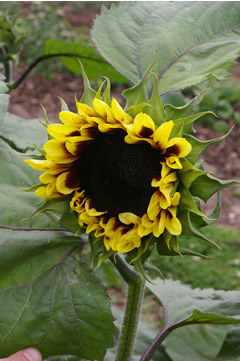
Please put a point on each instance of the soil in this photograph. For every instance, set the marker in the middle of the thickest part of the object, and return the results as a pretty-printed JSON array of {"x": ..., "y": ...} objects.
[{"x": 222, "y": 159}]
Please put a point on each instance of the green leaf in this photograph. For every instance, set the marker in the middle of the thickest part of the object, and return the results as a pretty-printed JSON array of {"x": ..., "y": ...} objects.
[
  {"x": 89, "y": 94},
  {"x": 191, "y": 47},
  {"x": 189, "y": 228},
  {"x": 4, "y": 99},
  {"x": 184, "y": 305},
  {"x": 156, "y": 111},
  {"x": 3, "y": 85},
  {"x": 173, "y": 113},
  {"x": 64, "y": 308},
  {"x": 206, "y": 185},
  {"x": 185, "y": 124},
  {"x": 231, "y": 346},
  {"x": 92, "y": 62},
  {"x": 196, "y": 342},
  {"x": 138, "y": 93},
  {"x": 199, "y": 146},
  {"x": 21, "y": 133}
]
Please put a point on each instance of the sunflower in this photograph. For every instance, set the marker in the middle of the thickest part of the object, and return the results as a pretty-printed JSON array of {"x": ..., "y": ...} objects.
[{"x": 121, "y": 172}]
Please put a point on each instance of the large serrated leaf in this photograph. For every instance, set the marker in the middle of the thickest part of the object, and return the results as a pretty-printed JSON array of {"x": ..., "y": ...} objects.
[
  {"x": 196, "y": 342},
  {"x": 63, "y": 310},
  {"x": 184, "y": 305},
  {"x": 231, "y": 346},
  {"x": 21, "y": 133},
  {"x": 93, "y": 63},
  {"x": 191, "y": 47}
]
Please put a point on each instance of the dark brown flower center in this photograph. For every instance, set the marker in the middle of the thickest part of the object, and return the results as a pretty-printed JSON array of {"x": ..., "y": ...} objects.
[{"x": 117, "y": 176}]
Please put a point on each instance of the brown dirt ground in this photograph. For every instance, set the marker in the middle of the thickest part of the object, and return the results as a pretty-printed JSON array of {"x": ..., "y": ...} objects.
[{"x": 222, "y": 158}]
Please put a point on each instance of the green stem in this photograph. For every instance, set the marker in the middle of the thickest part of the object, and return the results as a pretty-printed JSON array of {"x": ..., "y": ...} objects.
[{"x": 136, "y": 286}]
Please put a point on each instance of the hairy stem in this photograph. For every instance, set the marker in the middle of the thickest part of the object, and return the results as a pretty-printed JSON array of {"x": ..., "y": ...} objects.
[{"x": 136, "y": 286}]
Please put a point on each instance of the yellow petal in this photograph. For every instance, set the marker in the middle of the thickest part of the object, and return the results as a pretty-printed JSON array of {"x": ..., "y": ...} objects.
[
  {"x": 119, "y": 113},
  {"x": 159, "y": 224},
  {"x": 173, "y": 225},
  {"x": 56, "y": 148},
  {"x": 109, "y": 128},
  {"x": 176, "y": 199},
  {"x": 70, "y": 118},
  {"x": 132, "y": 139},
  {"x": 91, "y": 211},
  {"x": 162, "y": 135},
  {"x": 60, "y": 131},
  {"x": 179, "y": 146},
  {"x": 129, "y": 241},
  {"x": 143, "y": 125},
  {"x": 67, "y": 182},
  {"x": 154, "y": 206},
  {"x": 173, "y": 162},
  {"x": 42, "y": 192},
  {"x": 38, "y": 164},
  {"x": 165, "y": 202},
  {"x": 75, "y": 145},
  {"x": 47, "y": 178},
  {"x": 128, "y": 218},
  {"x": 103, "y": 110},
  {"x": 85, "y": 111}
]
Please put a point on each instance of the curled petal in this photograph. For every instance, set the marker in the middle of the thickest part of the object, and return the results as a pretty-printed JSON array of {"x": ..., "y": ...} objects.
[
  {"x": 173, "y": 162},
  {"x": 162, "y": 135},
  {"x": 179, "y": 146},
  {"x": 143, "y": 125}
]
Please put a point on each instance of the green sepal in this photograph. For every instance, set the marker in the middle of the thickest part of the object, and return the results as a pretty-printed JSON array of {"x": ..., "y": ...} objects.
[
  {"x": 100, "y": 91},
  {"x": 136, "y": 253},
  {"x": 139, "y": 267},
  {"x": 190, "y": 230},
  {"x": 136, "y": 109},
  {"x": 107, "y": 92},
  {"x": 173, "y": 113},
  {"x": 200, "y": 222},
  {"x": 98, "y": 251},
  {"x": 171, "y": 242},
  {"x": 45, "y": 116},
  {"x": 199, "y": 146},
  {"x": 163, "y": 250},
  {"x": 31, "y": 189},
  {"x": 64, "y": 106},
  {"x": 206, "y": 185},
  {"x": 89, "y": 94},
  {"x": 156, "y": 111},
  {"x": 41, "y": 151},
  {"x": 138, "y": 93},
  {"x": 189, "y": 173},
  {"x": 70, "y": 221},
  {"x": 187, "y": 202},
  {"x": 185, "y": 124}
]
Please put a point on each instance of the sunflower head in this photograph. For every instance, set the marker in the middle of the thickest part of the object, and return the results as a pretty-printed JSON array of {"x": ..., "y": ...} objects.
[{"x": 131, "y": 176}]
